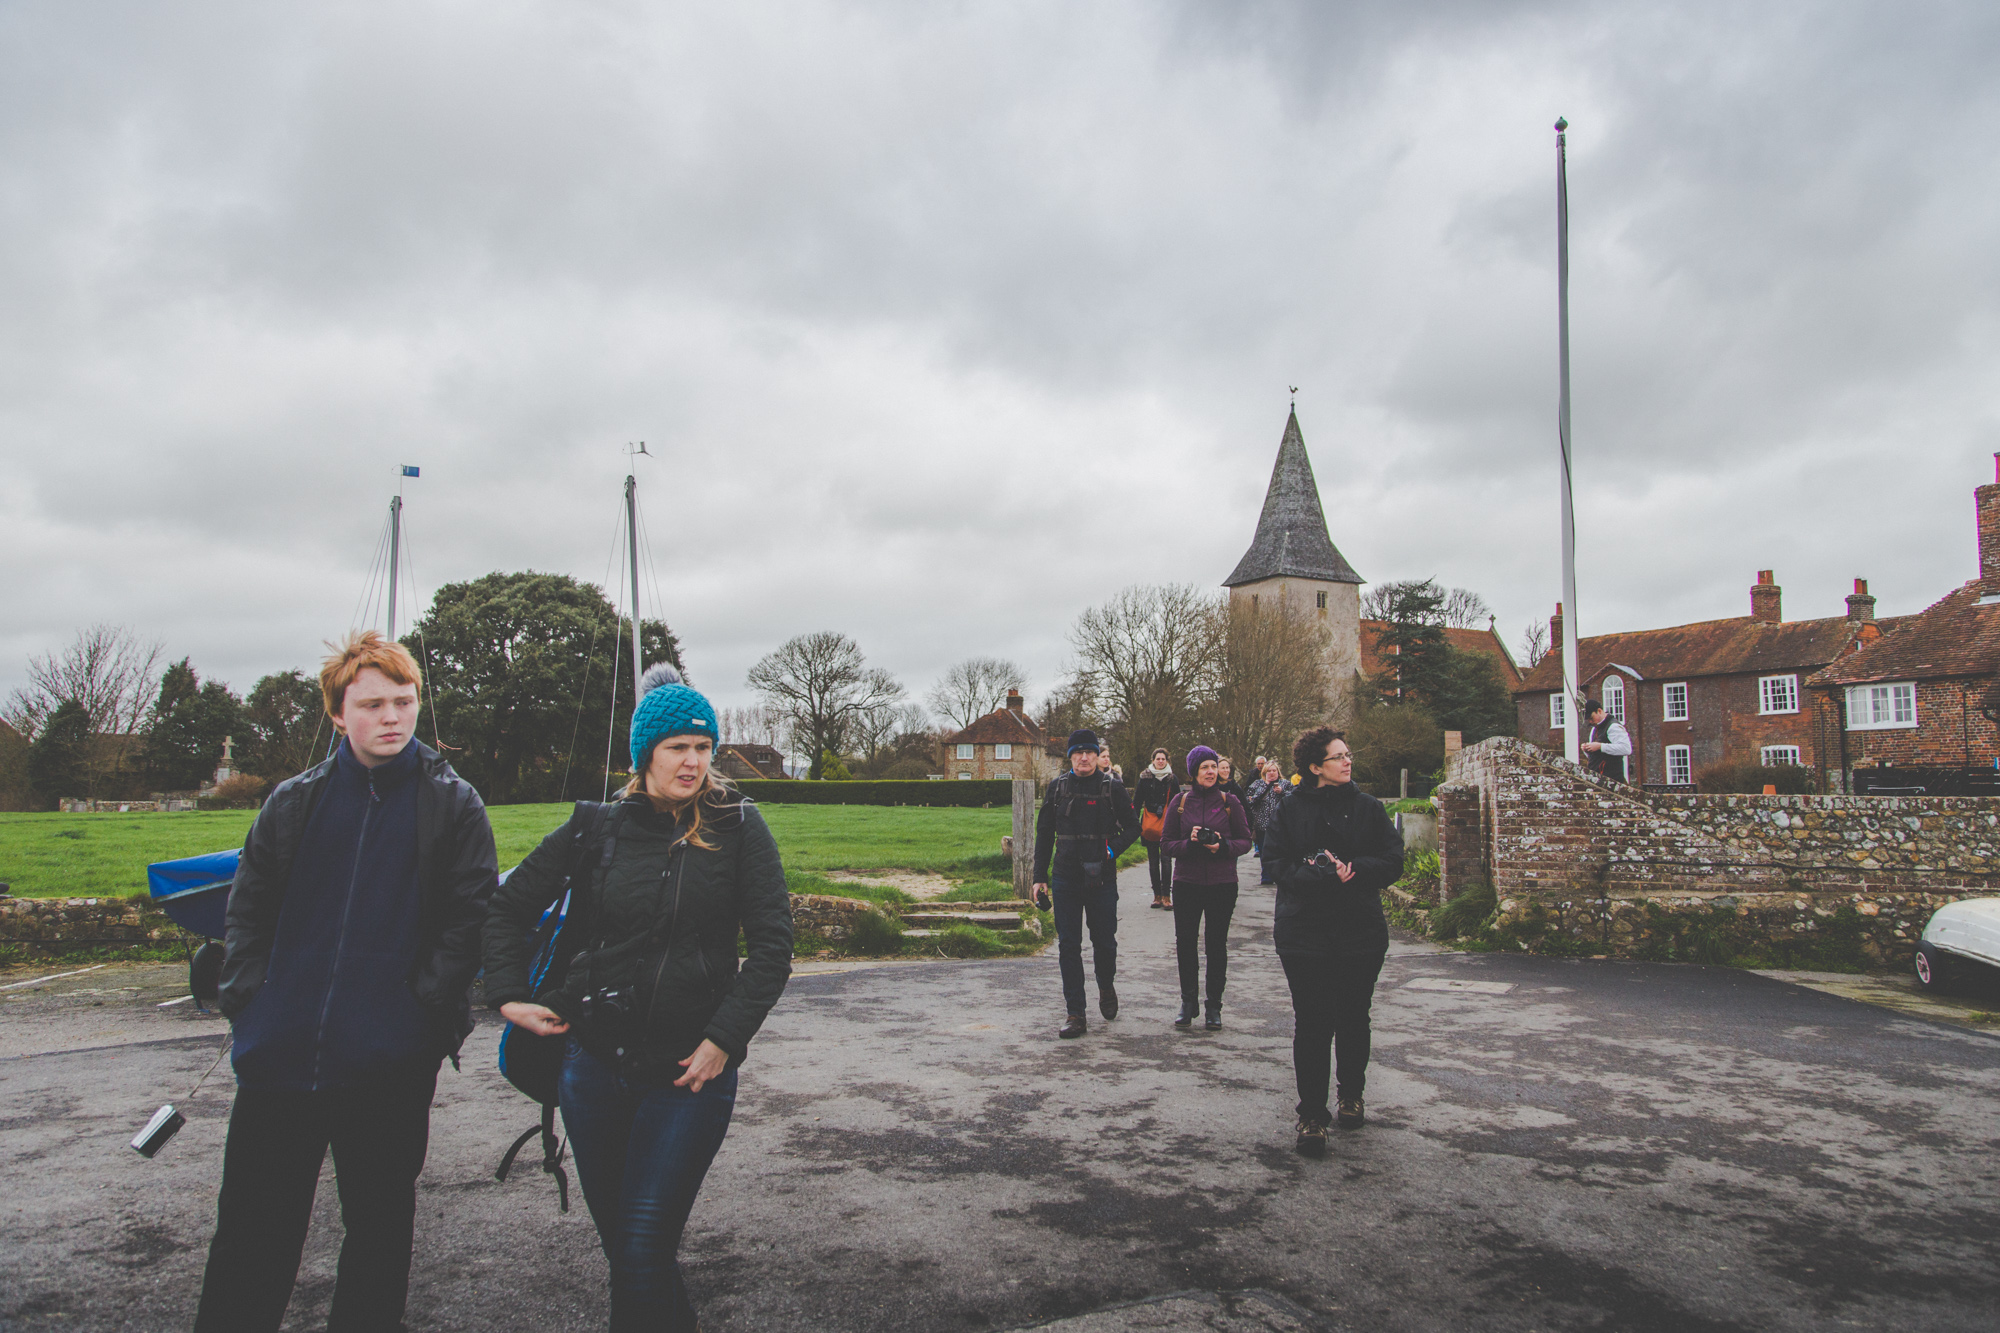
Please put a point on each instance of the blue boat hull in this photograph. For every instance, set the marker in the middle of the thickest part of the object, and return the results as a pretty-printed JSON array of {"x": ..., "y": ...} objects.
[{"x": 194, "y": 891}]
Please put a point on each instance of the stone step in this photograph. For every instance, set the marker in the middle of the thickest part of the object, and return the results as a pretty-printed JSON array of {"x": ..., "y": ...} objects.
[{"x": 990, "y": 919}]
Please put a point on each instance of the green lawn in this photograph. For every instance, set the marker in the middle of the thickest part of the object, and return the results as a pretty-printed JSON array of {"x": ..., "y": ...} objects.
[{"x": 96, "y": 856}]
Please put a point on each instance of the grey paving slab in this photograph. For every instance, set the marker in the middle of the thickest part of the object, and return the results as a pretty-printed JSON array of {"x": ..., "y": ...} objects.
[{"x": 1599, "y": 1145}]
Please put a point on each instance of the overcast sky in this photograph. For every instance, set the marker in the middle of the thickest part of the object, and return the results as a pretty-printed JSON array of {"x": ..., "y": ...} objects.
[{"x": 903, "y": 296}]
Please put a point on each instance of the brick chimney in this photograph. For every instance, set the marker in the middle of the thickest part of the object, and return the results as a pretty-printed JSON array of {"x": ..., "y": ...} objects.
[
  {"x": 1860, "y": 606},
  {"x": 1764, "y": 597},
  {"x": 1015, "y": 703},
  {"x": 1556, "y": 631},
  {"x": 1987, "y": 498}
]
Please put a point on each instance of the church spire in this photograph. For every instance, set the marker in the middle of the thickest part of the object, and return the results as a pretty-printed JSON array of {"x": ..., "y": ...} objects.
[{"x": 1291, "y": 539}]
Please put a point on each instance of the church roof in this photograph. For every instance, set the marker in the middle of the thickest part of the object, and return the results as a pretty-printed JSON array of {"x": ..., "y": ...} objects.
[{"x": 1291, "y": 539}]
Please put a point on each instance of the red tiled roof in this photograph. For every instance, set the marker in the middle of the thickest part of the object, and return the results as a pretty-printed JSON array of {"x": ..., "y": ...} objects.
[
  {"x": 1730, "y": 647},
  {"x": 1955, "y": 636},
  {"x": 1003, "y": 726},
  {"x": 1485, "y": 641}
]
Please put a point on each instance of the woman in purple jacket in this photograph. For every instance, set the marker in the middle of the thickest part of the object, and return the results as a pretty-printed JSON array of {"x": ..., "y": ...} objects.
[{"x": 1206, "y": 831}]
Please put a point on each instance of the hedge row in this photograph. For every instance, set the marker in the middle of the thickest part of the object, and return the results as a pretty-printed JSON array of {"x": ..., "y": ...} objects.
[{"x": 782, "y": 791}]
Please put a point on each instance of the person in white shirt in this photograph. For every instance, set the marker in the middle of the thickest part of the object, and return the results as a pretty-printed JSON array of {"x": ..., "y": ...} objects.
[{"x": 1609, "y": 744}]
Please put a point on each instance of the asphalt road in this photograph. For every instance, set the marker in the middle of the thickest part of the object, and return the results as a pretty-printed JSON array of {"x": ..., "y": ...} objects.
[{"x": 1560, "y": 1145}]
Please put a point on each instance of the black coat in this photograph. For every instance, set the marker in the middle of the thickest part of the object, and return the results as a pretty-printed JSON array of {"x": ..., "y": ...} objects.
[
  {"x": 456, "y": 870},
  {"x": 680, "y": 972},
  {"x": 1315, "y": 912},
  {"x": 1078, "y": 810},
  {"x": 1153, "y": 793}
]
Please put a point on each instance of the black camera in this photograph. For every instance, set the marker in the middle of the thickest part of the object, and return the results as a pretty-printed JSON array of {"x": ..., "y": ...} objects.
[
  {"x": 606, "y": 1008},
  {"x": 1208, "y": 837}
]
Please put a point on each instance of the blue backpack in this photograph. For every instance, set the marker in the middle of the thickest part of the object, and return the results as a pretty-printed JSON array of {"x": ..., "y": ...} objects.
[{"x": 531, "y": 1062}]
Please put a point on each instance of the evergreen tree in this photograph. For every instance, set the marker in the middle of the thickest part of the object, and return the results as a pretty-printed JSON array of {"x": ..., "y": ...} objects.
[
  {"x": 190, "y": 722},
  {"x": 289, "y": 731},
  {"x": 57, "y": 761}
]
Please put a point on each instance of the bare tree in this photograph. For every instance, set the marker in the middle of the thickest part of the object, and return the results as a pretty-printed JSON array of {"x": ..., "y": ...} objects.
[
  {"x": 1146, "y": 660},
  {"x": 1534, "y": 644},
  {"x": 876, "y": 729},
  {"x": 1466, "y": 609},
  {"x": 108, "y": 670},
  {"x": 1458, "y": 608},
  {"x": 1274, "y": 682},
  {"x": 973, "y": 688},
  {"x": 821, "y": 685}
]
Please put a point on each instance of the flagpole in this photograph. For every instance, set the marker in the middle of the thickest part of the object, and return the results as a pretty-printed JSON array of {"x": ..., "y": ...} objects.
[
  {"x": 1570, "y": 700},
  {"x": 395, "y": 553}
]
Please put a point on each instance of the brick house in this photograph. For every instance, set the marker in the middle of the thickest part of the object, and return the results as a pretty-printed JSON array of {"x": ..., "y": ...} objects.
[
  {"x": 1717, "y": 691},
  {"x": 1926, "y": 695},
  {"x": 1005, "y": 743},
  {"x": 1485, "y": 642},
  {"x": 742, "y": 759}
]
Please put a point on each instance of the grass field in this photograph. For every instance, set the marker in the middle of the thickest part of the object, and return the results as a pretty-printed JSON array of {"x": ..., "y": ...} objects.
[{"x": 101, "y": 856}]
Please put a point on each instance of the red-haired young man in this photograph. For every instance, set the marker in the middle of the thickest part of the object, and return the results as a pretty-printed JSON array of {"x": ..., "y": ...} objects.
[{"x": 353, "y": 933}]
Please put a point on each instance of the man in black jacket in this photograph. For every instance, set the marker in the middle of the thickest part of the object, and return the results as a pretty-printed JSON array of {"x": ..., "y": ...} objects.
[
  {"x": 1086, "y": 823},
  {"x": 1335, "y": 850},
  {"x": 353, "y": 935}
]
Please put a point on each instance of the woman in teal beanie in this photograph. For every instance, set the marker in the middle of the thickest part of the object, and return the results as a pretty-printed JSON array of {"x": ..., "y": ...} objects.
[{"x": 657, "y": 1012}]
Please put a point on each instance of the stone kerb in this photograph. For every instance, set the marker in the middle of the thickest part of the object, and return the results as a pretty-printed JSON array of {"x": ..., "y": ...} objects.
[{"x": 1552, "y": 837}]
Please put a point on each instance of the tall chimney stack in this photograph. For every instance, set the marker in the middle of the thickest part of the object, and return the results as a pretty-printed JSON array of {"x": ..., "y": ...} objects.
[
  {"x": 1764, "y": 597},
  {"x": 1556, "y": 631},
  {"x": 1860, "y": 606},
  {"x": 1987, "y": 499},
  {"x": 1015, "y": 703}
]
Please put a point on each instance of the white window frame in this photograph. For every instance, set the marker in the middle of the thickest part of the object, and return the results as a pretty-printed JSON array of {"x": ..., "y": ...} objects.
[
  {"x": 1605, "y": 687},
  {"x": 1790, "y": 686},
  {"x": 1003, "y": 752},
  {"x": 1557, "y": 705},
  {"x": 1667, "y": 713},
  {"x": 965, "y": 752},
  {"x": 965, "y": 777},
  {"x": 1883, "y": 706},
  {"x": 1779, "y": 756},
  {"x": 1684, "y": 754}
]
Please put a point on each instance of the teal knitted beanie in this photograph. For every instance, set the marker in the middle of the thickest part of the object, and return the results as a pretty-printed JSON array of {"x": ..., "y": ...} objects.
[{"x": 668, "y": 707}]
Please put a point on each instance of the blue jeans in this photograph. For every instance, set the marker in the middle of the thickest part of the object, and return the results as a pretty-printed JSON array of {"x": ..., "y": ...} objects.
[
  {"x": 1075, "y": 905},
  {"x": 641, "y": 1154}
]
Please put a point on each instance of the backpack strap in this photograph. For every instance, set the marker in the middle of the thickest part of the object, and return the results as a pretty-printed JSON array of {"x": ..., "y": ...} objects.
[{"x": 552, "y": 1153}]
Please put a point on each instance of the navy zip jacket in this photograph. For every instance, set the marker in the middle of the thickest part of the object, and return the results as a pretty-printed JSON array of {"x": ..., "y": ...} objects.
[{"x": 335, "y": 1009}]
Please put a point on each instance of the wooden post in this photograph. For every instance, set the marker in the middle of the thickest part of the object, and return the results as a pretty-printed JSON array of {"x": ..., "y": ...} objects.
[
  {"x": 1404, "y": 791},
  {"x": 1024, "y": 839}
]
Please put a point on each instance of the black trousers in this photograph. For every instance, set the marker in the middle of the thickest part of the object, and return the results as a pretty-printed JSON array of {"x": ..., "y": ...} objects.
[
  {"x": 270, "y": 1171},
  {"x": 1161, "y": 869},
  {"x": 1192, "y": 903},
  {"x": 1331, "y": 994}
]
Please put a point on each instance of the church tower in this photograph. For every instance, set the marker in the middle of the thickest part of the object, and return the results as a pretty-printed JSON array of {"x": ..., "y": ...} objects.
[{"x": 1293, "y": 563}]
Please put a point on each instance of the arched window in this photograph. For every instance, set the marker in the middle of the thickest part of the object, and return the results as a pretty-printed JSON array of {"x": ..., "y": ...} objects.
[{"x": 1614, "y": 699}]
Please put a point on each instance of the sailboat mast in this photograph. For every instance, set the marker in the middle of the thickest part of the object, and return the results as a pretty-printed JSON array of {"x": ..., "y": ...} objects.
[
  {"x": 395, "y": 556},
  {"x": 632, "y": 547}
]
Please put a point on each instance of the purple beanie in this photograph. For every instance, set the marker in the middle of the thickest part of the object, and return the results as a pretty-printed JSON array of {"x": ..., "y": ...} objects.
[{"x": 1197, "y": 756}]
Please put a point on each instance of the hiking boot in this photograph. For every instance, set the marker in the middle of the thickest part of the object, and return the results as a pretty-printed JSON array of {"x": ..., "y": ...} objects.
[
  {"x": 1350, "y": 1113},
  {"x": 1312, "y": 1138},
  {"x": 1214, "y": 1020},
  {"x": 1107, "y": 999},
  {"x": 1187, "y": 1014},
  {"x": 1073, "y": 1026}
]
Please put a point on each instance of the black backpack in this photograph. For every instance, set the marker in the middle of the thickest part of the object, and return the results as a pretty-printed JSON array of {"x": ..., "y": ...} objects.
[{"x": 531, "y": 1062}]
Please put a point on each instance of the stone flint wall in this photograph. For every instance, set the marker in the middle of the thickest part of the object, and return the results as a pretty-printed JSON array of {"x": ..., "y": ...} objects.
[
  {"x": 1557, "y": 841},
  {"x": 54, "y": 923},
  {"x": 829, "y": 917}
]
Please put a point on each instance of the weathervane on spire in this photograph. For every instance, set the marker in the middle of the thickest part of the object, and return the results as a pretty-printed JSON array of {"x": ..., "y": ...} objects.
[{"x": 1295, "y": 394}]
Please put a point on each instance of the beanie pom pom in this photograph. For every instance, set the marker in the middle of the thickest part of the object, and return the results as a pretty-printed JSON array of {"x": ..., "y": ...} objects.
[{"x": 658, "y": 674}]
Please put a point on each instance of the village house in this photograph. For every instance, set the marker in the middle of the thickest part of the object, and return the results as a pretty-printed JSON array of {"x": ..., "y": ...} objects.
[
  {"x": 1006, "y": 743},
  {"x": 1714, "y": 692},
  {"x": 738, "y": 760},
  {"x": 1925, "y": 696}
]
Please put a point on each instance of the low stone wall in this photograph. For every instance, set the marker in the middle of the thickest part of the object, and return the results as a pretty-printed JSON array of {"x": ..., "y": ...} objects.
[
  {"x": 826, "y": 916},
  {"x": 1589, "y": 860},
  {"x": 36, "y": 926}
]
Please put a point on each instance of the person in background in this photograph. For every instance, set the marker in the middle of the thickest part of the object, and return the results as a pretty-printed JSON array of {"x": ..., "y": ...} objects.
[
  {"x": 1085, "y": 824},
  {"x": 1206, "y": 832},
  {"x": 1335, "y": 850},
  {"x": 659, "y": 1014},
  {"x": 1267, "y": 793},
  {"x": 1225, "y": 778},
  {"x": 1605, "y": 751},
  {"x": 353, "y": 935},
  {"x": 1157, "y": 786},
  {"x": 1105, "y": 766}
]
